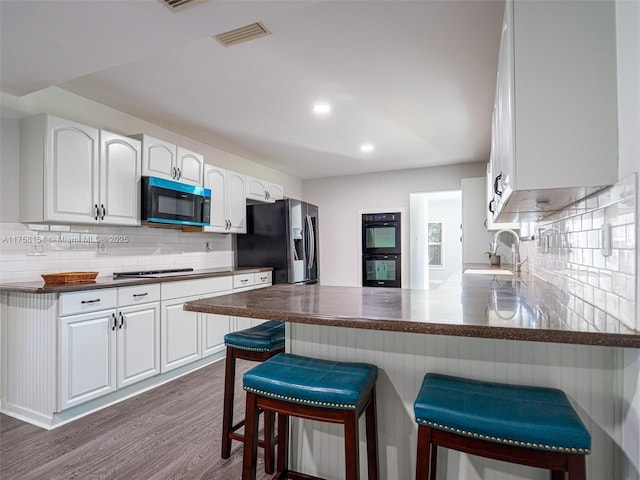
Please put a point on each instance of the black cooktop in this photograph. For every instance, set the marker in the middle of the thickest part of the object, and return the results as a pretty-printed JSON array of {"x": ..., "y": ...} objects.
[{"x": 153, "y": 273}]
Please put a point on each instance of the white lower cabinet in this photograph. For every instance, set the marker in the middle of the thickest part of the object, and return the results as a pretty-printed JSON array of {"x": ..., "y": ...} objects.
[
  {"x": 189, "y": 336},
  {"x": 138, "y": 346},
  {"x": 105, "y": 350},
  {"x": 87, "y": 357},
  {"x": 180, "y": 334},
  {"x": 242, "y": 283},
  {"x": 60, "y": 351},
  {"x": 214, "y": 328}
]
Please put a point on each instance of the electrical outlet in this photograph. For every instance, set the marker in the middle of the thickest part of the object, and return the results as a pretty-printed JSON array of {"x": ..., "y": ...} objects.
[
  {"x": 208, "y": 246},
  {"x": 36, "y": 249},
  {"x": 102, "y": 247},
  {"x": 605, "y": 240}
]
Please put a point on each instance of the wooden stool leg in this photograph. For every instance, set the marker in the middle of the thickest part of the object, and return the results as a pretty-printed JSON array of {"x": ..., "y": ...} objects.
[
  {"x": 423, "y": 453},
  {"x": 557, "y": 475},
  {"x": 283, "y": 442},
  {"x": 434, "y": 460},
  {"x": 372, "y": 438},
  {"x": 577, "y": 467},
  {"x": 227, "y": 409},
  {"x": 351, "y": 445},
  {"x": 250, "y": 454},
  {"x": 269, "y": 440}
]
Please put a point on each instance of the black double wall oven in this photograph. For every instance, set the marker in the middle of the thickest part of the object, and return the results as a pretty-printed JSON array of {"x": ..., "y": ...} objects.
[{"x": 381, "y": 250}]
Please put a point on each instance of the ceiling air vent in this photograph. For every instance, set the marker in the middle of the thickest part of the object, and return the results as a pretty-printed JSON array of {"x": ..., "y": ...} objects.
[
  {"x": 175, "y": 5},
  {"x": 242, "y": 34}
]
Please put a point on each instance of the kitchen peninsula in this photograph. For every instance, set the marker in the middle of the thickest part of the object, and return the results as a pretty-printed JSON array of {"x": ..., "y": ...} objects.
[{"x": 512, "y": 326}]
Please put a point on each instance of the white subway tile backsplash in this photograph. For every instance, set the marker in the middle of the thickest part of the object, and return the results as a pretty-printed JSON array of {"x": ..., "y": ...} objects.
[
  {"x": 601, "y": 289},
  {"x": 128, "y": 248}
]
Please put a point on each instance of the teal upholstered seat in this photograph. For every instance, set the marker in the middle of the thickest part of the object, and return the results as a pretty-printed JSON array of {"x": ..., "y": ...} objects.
[
  {"x": 311, "y": 381},
  {"x": 530, "y": 417},
  {"x": 265, "y": 337}
]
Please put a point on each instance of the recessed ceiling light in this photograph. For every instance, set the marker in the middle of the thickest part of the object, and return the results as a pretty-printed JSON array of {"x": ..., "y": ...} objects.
[
  {"x": 321, "y": 108},
  {"x": 366, "y": 148}
]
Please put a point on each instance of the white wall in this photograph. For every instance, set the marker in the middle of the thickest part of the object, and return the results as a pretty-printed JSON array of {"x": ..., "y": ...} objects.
[{"x": 340, "y": 199}]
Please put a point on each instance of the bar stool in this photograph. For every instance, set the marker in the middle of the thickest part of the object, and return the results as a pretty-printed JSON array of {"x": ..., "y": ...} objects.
[
  {"x": 526, "y": 425},
  {"x": 256, "y": 344},
  {"x": 321, "y": 390}
]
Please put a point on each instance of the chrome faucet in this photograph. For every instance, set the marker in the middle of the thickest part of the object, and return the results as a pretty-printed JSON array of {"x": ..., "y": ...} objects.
[{"x": 516, "y": 259}]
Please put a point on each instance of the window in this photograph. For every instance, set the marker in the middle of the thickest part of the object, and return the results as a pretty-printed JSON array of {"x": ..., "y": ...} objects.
[{"x": 434, "y": 239}]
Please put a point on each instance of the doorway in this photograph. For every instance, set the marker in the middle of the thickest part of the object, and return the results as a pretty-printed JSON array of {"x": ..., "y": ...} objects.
[{"x": 435, "y": 248}]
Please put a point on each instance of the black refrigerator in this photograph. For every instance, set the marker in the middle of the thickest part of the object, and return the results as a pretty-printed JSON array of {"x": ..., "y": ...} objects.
[{"x": 282, "y": 235}]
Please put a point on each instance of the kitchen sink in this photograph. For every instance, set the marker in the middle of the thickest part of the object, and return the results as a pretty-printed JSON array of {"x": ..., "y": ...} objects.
[{"x": 487, "y": 271}]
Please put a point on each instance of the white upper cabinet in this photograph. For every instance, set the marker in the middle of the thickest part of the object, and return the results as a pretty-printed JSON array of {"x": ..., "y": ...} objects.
[
  {"x": 263, "y": 191},
  {"x": 74, "y": 173},
  {"x": 190, "y": 166},
  {"x": 119, "y": 179},
  {"x": 490, "y": 206},
  {"x": 228, "y": 200},
  {"x": 166, "y": 160},
  {"x": 555, "y": 118}
]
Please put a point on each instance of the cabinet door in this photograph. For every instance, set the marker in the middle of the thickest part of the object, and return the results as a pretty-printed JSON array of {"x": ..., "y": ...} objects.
[
  {"x": 236, "y": 202},
  {"x": 505, "y": 106},
  {"x": 138, "y": 343},
  {"x": 72, "y": 176},
  {"x": 87, "y": 357},
  {"x": 214, "y": 328},
  {"x": 190, "y": 167},
  {"x": 257, "y": 189},
  {"x": 241, "y": 323},
  {"x": 158, "y": 158},
  {"x": 119, "y": 180},
  {"x": 180, "y": 342},
  {"x": 215, "y": 179},
  {"x": 276, "y": 192}
]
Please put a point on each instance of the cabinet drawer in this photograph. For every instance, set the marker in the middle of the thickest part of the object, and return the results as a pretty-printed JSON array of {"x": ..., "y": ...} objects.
[
  {"x": 262, "y": 278},
  {"x": 138, "y": 294},
  {"x": 243, "y": 280},
  {"x": 201, "y": 286},
  {"x": 87, "y": 301}
]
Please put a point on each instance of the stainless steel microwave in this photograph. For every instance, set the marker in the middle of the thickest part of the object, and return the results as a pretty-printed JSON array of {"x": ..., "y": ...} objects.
[{"x": 166, "y": 201}]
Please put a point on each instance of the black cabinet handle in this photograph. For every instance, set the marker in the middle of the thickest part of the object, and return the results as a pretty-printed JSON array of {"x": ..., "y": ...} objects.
[
  {"x": 121, "y": 320},
  {"x": 179, "y": 173},
  {"x": 491, "y": 207},
  {"x": 173, "y": 173},
  {"x": 90, "y": 301},
  {"x": 495, "y": 185},
  {"x": 104, "y": 211},
  {"x": 115, "y": 322},
  {"x": 95, "y": 209},
  {"x": 141, "y": 294}
]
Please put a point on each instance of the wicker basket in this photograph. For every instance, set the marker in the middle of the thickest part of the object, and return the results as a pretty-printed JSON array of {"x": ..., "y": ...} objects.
[{"x": 69, "y": 277}]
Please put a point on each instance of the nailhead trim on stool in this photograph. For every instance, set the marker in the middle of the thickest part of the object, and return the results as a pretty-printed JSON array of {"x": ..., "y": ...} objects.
[
  {"x": 256, "y": 344},
  {"x": 533, "y": 426},
  {"x": 313, "y": 389}
]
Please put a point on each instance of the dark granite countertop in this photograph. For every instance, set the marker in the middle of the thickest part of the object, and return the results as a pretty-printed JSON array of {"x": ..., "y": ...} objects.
[
  {"x": 110, "y": 282},
  {"x": 520, "y": 307}
]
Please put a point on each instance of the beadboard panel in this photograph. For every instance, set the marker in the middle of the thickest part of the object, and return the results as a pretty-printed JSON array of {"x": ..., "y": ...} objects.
[
  {"x": 592, "y": 377},
  {"x": 31, "y": 377}
]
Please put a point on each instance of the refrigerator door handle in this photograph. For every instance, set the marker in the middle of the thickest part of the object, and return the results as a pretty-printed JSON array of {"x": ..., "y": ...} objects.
[{"x": 311, "y": 243}]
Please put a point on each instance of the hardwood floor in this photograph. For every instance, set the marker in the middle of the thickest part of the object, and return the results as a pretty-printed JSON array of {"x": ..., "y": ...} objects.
[{"x": 170, "y": 432}]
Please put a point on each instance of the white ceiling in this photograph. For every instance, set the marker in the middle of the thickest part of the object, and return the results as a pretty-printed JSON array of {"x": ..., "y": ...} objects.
[{"x": 414, "y": 78}]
